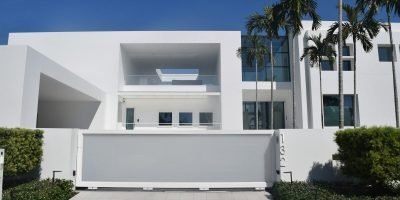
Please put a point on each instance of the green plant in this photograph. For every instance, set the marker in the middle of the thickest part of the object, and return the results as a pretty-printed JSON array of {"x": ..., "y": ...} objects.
[
  {"x": 308, "y": 191},
  {"x": 298, "y": 190},
  {"x": 320, "y": 49},
  {"x": 23, "y": 150},
  {"x": 254, "y": 51},
  {"x": 370, "y": 154},
  {"x": 359, "y": 27},
  {"x": 41, "y": 190},
  {"x": 291, "y": 12}
]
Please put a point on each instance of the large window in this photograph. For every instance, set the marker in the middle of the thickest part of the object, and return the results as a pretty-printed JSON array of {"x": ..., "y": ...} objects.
[
  {"x": 185, "y": 119},
  {"x": 249, "y": 115},
  {"x": 165, "y": 119},
  {"x": 331, "y": 110},
  {"x": 346, "y": 50},
  {"x": 385, "y": 53},
  {"x": 206, "y": 118},
  {"x": 280, "y": 48}
]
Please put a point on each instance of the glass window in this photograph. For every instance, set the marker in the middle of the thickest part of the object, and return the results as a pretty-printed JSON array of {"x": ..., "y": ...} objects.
[
  {"x": 249, "y": 115},
  {"x": 385, "y": 54},
  {"x": 280, "y": 48},
  {"x": 346, "y": 50},
  {"x": 326, "y": 65},
  {"x": 206, "y": 118},
  {"x": 165, "y": 119},
  {"x": 331, "y": 110},
  {"x": 129, "y": 118},
  {"x": 280, "y": 44},
  {"x": 347, "y": 65},
  {"x": 281, "y": 59},
  {"x": 185, "y": 119}
]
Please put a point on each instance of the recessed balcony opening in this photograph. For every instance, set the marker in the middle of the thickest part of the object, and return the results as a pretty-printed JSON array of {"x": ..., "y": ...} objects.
[{"x": 170, "y": 64}]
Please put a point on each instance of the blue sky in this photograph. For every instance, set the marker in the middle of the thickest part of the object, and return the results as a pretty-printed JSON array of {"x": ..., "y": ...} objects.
[{"x": 106, "y": 15}]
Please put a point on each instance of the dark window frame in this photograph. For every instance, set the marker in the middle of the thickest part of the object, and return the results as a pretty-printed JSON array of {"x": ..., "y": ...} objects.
[
  {"x": 181, "y": 123},
  {"x": 165, "y": 123},
  {"x": 206, "y": 123}
]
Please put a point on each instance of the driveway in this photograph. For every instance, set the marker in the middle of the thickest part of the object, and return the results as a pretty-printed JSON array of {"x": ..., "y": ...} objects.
[{"x": 172, "y": 195}]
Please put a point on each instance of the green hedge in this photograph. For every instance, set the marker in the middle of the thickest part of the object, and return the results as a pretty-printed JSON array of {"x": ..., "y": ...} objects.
[
  {"x": 41, "y": 190},
  {"x": 23, "y": 150},
  {"x": 307, "y": 191},
  {"x": 370, "y": 154}
]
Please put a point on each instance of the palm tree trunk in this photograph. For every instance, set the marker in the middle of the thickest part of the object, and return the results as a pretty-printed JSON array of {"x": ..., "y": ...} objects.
[
  {"x": 293, "y": 84},
  {"x": 396, "y": 100},
  {"x": 340, "y": 76},
  {"x": 256, "y": 95},
  {"x": 355, "y": 83},
  {"x": 271, "y": 114},
  {"x": 320, "y": 94}
]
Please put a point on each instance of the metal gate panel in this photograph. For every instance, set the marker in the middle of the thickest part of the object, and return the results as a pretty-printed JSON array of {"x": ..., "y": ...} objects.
[{"x": 207, "y": 159}]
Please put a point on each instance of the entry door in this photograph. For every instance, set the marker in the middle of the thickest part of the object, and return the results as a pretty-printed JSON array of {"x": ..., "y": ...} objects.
[{"x": 130, "y": 117}]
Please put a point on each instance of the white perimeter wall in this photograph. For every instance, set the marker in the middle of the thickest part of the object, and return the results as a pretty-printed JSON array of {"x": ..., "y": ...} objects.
[
  {"x": 307, "y": 153},
  {"x": 59, "y": 153}
]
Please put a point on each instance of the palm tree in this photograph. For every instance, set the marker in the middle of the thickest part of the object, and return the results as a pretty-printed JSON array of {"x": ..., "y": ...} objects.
[
  {"x": 340, "y": 71},
  {"x": 390, "y": 6},
  {"x": 266, "y": 24},
  {"x": 322, "y": 49},
  {"x": 291, "y": 12},
  {"x": 254, "y": 51},
  {"x": 361, "y": 28}
]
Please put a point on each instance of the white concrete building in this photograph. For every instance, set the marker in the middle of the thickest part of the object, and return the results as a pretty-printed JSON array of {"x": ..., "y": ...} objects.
[
  {"x": 186, "y": 79},
  {"x": 189, "y": 82}
]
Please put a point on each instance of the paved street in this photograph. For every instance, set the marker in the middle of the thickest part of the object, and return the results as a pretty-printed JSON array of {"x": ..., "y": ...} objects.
[{"x": 171, "y": 195}]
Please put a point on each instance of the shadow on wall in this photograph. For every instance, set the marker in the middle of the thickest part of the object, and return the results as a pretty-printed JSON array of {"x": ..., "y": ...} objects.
[
  {"x": 66, "y": 114},
  {"x": 326, "y": 172}
]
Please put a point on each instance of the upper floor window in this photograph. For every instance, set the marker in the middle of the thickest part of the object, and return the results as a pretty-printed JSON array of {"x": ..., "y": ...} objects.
[
  {"x": 281, "y": 57},
  {"x": 385, "y": 54},
  {"x": 346, "y": 50}
]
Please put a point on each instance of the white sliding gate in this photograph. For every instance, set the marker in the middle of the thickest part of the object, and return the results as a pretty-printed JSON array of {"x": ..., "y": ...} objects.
[{"x": 176, "y": 159}]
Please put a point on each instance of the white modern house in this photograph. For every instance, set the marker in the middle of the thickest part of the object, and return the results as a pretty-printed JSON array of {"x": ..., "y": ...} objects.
[{"x": 176, "y": 96}]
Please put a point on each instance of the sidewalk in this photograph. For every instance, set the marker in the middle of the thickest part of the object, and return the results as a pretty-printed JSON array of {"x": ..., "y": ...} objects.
[{"x": 171, "y": 195}]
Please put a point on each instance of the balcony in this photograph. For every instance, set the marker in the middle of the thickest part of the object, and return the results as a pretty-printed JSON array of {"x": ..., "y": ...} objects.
[
  {"x": 178, "y": 79},
  {"x": 170, "y": 68}
]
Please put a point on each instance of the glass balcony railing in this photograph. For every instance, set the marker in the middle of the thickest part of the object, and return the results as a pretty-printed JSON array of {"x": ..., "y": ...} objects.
[
  {"x": 153, "y": 126},
  {"x": 182, "y": 79},
  {"x": 281, "y": 74}
]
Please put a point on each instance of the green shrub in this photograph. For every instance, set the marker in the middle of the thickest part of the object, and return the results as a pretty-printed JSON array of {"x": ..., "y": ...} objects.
[
  {"x": 370, "y": 154},
  {"x": 300, "y": 191},
  {"x": 41, "y": 190},
  {"x": 308, "y": 191},
  {"x": 23, "y": 150}
]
